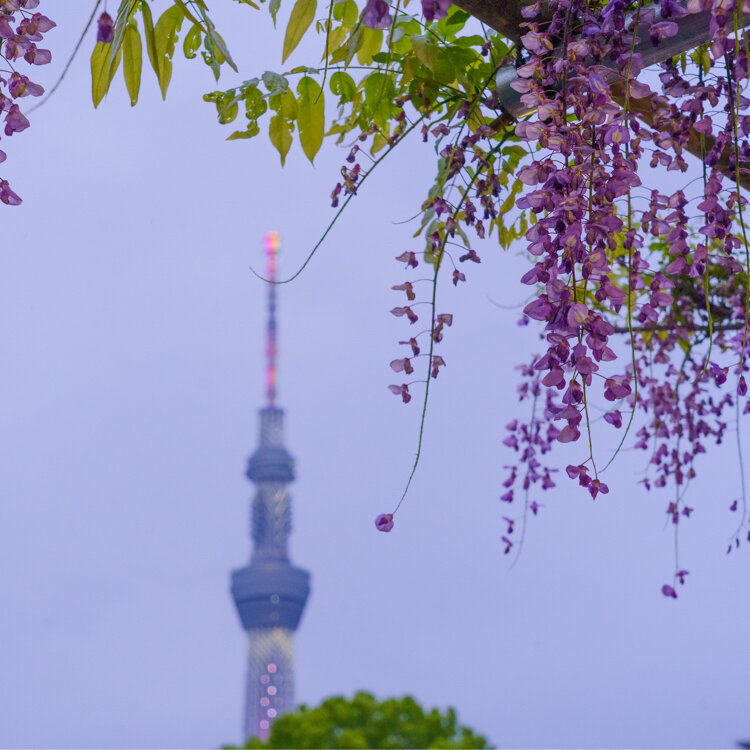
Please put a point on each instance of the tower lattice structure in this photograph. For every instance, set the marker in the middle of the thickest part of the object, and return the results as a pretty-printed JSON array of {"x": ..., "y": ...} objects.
[{"x": 270, "y": 593}]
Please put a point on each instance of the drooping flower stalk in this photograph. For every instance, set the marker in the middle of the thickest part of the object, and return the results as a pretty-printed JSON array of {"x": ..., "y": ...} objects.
[
  {"x": 20, "y": 30},
  {"x": 668, "y": 280}
]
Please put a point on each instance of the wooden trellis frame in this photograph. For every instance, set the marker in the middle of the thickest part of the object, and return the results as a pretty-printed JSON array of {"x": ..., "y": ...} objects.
[{"x": 504, "y": 16}]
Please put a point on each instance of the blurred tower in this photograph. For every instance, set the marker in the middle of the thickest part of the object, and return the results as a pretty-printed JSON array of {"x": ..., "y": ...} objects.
[{"x": 270, "y": 593}]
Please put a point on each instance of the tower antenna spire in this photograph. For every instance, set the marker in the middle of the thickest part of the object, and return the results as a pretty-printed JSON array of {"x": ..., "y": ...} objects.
[
  {"x": 270, "y": 593},
  {"x": 272, "y": 243}
]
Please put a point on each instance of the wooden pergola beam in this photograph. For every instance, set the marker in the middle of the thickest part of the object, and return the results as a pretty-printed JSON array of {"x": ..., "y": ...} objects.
[
  {"x": 694, "y": 146},
  {"x": 502, "y": 15}
]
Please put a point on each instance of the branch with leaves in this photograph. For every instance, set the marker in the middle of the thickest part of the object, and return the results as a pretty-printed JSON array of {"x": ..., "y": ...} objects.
[{"x": 609, "y": 256}]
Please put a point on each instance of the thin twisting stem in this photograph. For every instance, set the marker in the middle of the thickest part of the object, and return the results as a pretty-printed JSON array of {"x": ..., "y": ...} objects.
[
  {"x": 630, "y": 330},
  {"x": 742, "y": 471},
  {"x": 70, "y": 60},
  {"x": 339, "y": 212},
  {"x": 432, "y": 338},
  {"x": 707, "y": 274},
  {"x": 735, "y": 118},
  {"x": 524, "y": 520}
]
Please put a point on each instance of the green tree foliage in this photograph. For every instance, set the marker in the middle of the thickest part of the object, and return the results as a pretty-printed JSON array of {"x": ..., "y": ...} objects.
[{"x": 365, "y": 722}]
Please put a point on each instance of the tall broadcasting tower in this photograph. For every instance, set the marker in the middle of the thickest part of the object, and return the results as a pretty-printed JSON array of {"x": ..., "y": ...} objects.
[{"x": 270, "y": 593}]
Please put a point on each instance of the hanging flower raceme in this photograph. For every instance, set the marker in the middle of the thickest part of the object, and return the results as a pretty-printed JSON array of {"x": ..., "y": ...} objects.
[
  {"x": 638, "y": 283},
  {"x": 20, "y": 31},
  {"x": 603, "y": 264},
  {"x": 644, "y": 306}
]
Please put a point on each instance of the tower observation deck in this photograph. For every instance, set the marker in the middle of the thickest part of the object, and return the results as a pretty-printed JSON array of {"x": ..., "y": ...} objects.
[{"x": 270, "y": 593}]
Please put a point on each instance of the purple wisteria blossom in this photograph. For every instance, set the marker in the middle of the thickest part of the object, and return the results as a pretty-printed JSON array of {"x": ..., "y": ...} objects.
[
  {"x": 20, "y": 32},
  {"x": 384, "y": 522},
  {"x": 105, "y": 27},
  {"x": 434, "y": 10},
  {"x": 377, "y": 14}
]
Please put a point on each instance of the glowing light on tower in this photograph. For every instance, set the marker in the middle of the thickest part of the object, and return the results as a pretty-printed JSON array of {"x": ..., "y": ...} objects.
[{"x": 272, "y": 244}]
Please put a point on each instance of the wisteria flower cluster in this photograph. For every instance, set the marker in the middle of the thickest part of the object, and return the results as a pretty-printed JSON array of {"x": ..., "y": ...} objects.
[
  {"x": 638, "y": 291},
  {"x": 377, "y": 13},
  {"x": 642, "y": 295},
  {"x": 20, "y": 32},
  {"x": 670, "y": 271}
]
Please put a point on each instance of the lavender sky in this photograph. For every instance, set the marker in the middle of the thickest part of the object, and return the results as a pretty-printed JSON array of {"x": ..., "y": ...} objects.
[{"x": 131, "y": 331}]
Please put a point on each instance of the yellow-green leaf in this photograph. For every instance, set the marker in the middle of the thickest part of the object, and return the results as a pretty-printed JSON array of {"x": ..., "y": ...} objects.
[
  {"x": 342, "y": 84},
  {"x": 372, "y": 41},
  {"x": 302, "y": 16},
  {"x": 280, "y": 135},
  {"x": 355, "y": 40},
  {"x": 101, "y": 71},
  {"x": 192, "y": 41},
  {"x": 221, "y": 51},
  {"x": 273, "y": 9},
  {"x": 426, "y": 51},
  {"x": 132, "y": 62},
  {"x": 510, "y": 201},
  {"x": 165, "y": 38},
  {"x": 148, "y": 32},
  {"x": 310, "y": 116},
  {"x": 346, "y": 12},
  {"x": 124, "y": 15},
  {"x": 280, "y": 127},
  {"x": 252, "y": 130},
  {"x": 379, "y": 142},
  {"x": 335, "y": 38}
]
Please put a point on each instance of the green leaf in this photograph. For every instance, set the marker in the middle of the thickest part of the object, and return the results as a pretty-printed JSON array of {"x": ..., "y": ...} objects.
[
  {"x": 346, "y": 12},
  {"x": 229, "y": 113},
  {"x": 192, "y": 41},
  {"x": 379, "y": 142},
  {"x": 275, "y": 83},
  {"x": 409, "y": 71},
  {"x": 523, "y": 225},
  {"x": 280, "y": 136},
  {"x": 355, "y": 40},
  {"x": 101, "y": 70},
  {"x": 426, "y": 51},
  {"x": 334, "y": 41},
  {"x": 280, "y": 127},
  {"x": 252, "y": 130},
  {"x": 445, "y": 71},
  {"x": 372, "y": 41},
  {"x": 214, "y": 43},
  {"x": 510, "y": 201},
  {"x": 470, "y": 41},
  {"x": 255, "y": 103},
  {"x": 302, "y": 16},
  {"x": 132, "y": 61},
  {"x": 148, "y": 33},
  {"x": 342, "y": 84},
  {"x": 380, "y": 92},
  {"x": 165, "y": 37},
  {"x": 273, "y": 9},
  {"x": 285, "y": 105},
  {"x": 310, "y": 116},
  {"x": 457, "y": 18},
  {"x": 227, "y": 107},
  {"x": 249, "y": 2},
  {"x": 124, "y": 14}
]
